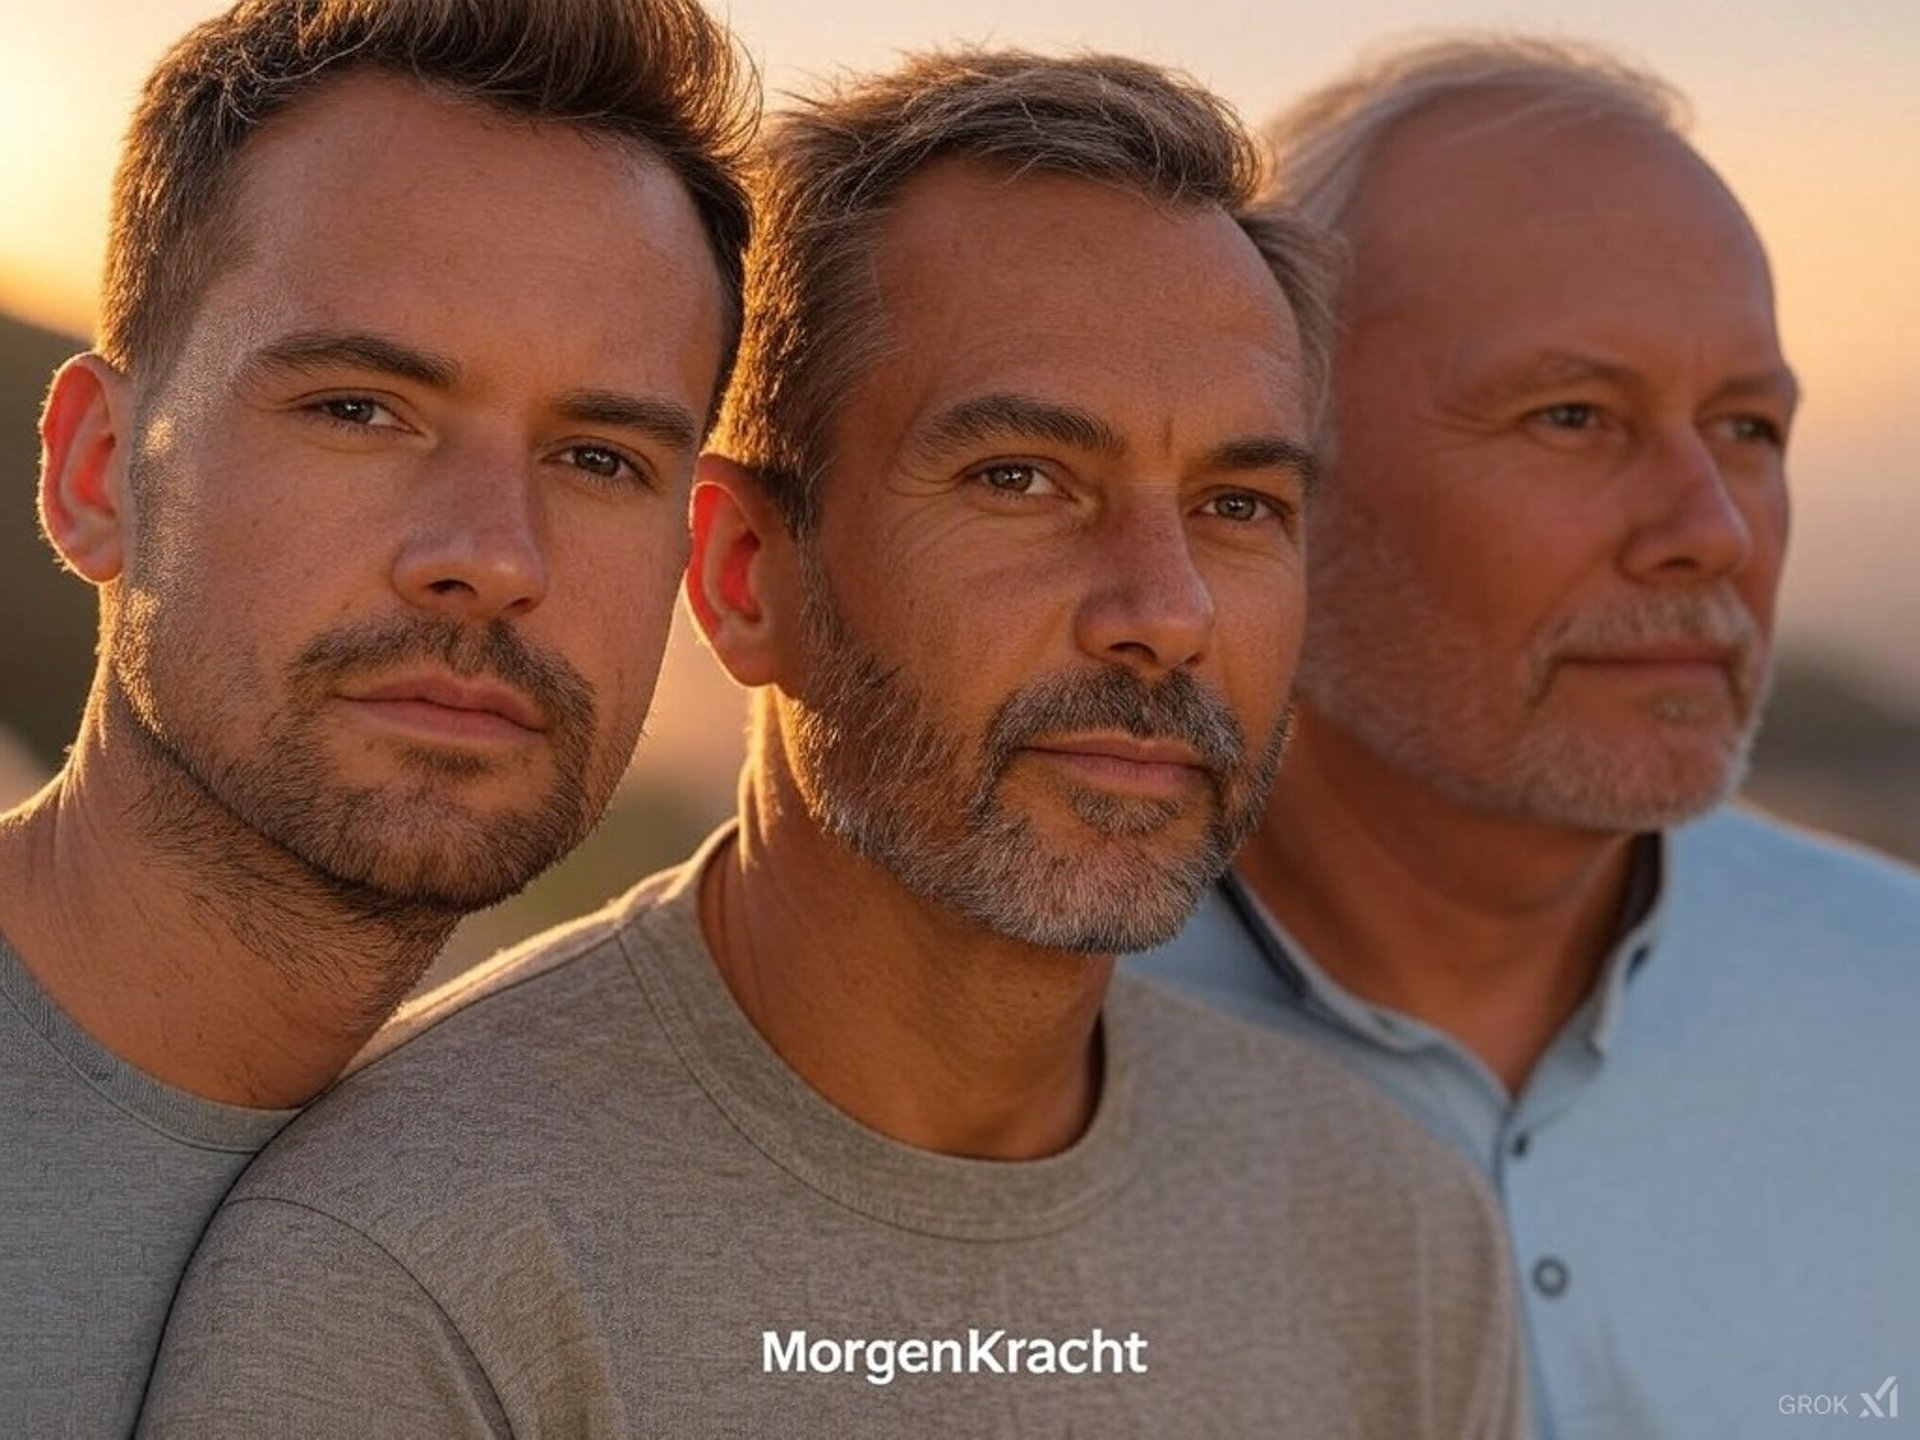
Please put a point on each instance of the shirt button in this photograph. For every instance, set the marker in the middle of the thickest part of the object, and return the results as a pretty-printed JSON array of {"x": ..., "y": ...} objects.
[
  {"x": 1519, "y": 1146},
  {"x": 1550, "y": 1276}
]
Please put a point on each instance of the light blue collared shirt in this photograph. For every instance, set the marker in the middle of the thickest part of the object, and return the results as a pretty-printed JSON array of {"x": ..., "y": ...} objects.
[{"x": 1712, "y": 1177}]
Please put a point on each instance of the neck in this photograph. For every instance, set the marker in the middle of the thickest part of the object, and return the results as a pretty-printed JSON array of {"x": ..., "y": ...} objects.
[
  {"x": 914, "y": 1021},
  {"x": 185, "y": 942},
  {"x": 1492, "y": 930}
]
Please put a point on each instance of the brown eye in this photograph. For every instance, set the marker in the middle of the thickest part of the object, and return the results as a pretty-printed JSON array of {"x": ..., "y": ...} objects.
[
  {"x": 1239, "y": 507},
  {"x": 1014, "y": 477},
  {"x": 599, "y": 460},
  {"x": 355, "y": 410}
]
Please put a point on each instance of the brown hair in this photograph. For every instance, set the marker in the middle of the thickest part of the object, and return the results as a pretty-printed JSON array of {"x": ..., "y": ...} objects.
[
  {"x": 830, "y": 170},
  {"x": 658, "y": 74}
]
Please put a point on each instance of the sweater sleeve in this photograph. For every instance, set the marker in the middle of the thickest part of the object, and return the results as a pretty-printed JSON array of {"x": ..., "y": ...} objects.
[{"x": 292, "y": 1323}]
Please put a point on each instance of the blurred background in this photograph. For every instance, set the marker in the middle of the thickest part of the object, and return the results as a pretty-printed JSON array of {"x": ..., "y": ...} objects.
[{"x": 1812, "y": 113}]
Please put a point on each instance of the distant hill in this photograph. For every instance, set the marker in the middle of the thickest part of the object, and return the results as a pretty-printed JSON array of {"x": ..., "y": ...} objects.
[
  {"x": 46, "y": 615},
  {"x": 1838, "y": 754}
]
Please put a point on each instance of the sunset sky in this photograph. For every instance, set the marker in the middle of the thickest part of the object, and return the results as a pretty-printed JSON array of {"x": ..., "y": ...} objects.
[{"x": 1812, "y": 112}]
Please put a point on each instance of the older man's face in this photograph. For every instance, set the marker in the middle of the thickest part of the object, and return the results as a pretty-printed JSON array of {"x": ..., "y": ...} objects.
[
  {"x": 1545, "y": 568},
  {"x": 1053, "y": 606}
]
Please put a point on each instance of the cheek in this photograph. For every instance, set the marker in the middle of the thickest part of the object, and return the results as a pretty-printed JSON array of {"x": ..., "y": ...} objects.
[
  {"x": 618, "y": 608},
  {"x": 1505, "y": 559},
  {"x": 1769, "y": 523}
]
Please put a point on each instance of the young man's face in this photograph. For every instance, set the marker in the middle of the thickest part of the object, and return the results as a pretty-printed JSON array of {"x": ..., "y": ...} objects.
[
  {"x": 1544, "y": 574},
  {"x": 1053, "y": 604},
  {"x": 409, "y": 509}
]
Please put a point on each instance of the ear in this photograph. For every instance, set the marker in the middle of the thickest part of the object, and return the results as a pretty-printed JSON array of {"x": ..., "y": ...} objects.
[
  {"x": 86, "y": 440},
  {"x": 739, "y": 579}
]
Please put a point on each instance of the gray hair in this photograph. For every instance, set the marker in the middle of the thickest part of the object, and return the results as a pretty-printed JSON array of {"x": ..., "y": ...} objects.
[
  {"x": 831, "y": 170},
  {"x": 1325, "y": 142}
]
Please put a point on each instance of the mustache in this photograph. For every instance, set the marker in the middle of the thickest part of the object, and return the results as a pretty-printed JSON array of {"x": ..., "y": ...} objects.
[
  {"x": 495, "y": 651},
  {"x": 1714, "y": 617},
  {"x": 1177, "y": 707}
]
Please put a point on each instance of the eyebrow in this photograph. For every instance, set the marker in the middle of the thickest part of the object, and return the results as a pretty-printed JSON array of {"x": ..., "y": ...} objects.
[
  {"x": 1011, "y": 415},
  {"x": 1778, "y": 384},
  {"x": 1267, "y": 452},
  {"x": 1550, "y": 368},
  {"x": 1005, "y": 415},
  {"x": 661, "y": 420},
  {"x": 309, "y": 350},
  {"x": 1547, "y": 370}
]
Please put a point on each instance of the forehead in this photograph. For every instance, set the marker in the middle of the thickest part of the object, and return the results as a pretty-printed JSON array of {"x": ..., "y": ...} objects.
[
  {"x": 1477, "y": 215},
  {"x": 380, "y": 203},
  {"x": 1162, "y": 320}
]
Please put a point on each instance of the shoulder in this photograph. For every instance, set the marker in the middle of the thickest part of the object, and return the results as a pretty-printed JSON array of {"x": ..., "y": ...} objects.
[
  {"x": 476, "y": 1088},
  {"x": 1253, "y": 1135},
  {"x": 545, "y": 954},
  {"x": 1265, "y": 1100},
  {"x": 1746, "y": 867}
]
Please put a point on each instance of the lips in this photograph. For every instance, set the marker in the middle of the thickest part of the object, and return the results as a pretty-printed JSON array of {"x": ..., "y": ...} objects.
[
  {"x": 1161, "y": 770},
  {"x": 1129, "y": 749},
  {"x": 461, "y": 696}
]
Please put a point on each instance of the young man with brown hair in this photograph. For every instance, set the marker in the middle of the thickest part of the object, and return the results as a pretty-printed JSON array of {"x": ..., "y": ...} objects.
[{"x": 415, "y": 314}]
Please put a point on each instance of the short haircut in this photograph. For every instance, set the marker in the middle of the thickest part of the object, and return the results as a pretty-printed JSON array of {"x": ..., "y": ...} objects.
[
  {"x": 659, "y": 75},
  {"x": 1325, "y": 141},
  {"x": 832, "y": 170}
]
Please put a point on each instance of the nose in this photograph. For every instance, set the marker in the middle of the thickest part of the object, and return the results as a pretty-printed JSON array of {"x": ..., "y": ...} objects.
[
  {"x": 1694, "y": 521},
  {"x": 1149, "y": 607},
  {"x": 475, "y": 551}
]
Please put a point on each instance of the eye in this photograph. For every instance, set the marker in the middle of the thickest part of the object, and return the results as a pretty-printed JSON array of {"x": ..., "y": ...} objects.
[
  {"x": 1014, "y": 477},
  {"x": 1757, "y": 430},
  {"x": 1242, "y": 507},
  {"x": 601, "y": 460},
  {"x": 356, "y": 411},
  {"x": 1569, "y": 415}
]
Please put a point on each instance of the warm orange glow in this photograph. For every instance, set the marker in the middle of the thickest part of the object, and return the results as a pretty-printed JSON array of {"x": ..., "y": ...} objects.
[{"x": 1808, "y": 111}]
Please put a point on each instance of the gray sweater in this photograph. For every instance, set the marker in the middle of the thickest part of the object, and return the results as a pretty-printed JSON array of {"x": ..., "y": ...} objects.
[
  {"x": 588, "y": 1200},
  {"x": 106, "y": 1178}
]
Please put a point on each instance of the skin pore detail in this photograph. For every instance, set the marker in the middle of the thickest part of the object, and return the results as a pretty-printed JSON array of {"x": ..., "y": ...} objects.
[{"x": 1025, "y": 674}]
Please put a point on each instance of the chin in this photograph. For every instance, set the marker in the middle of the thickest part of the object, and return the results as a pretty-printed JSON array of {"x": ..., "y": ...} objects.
[{"x": 1630, "y": 793}]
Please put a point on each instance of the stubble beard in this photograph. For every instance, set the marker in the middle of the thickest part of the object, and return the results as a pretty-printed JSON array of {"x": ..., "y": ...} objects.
[
  {"x": 381, "y": 850},
  {"x": 881, "y": 772},
  {"x": 1417, "y": 688}
]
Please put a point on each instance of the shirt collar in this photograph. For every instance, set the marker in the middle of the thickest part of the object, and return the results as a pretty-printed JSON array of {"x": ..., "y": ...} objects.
[{"x": 1600, "y": 1015}]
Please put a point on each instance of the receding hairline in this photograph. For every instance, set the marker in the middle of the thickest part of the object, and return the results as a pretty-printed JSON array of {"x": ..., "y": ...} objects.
[
  {"x": 889, "y": 248},
  {"x": 1326, "y": 143},
  {"x": 1499, "y": 142}
]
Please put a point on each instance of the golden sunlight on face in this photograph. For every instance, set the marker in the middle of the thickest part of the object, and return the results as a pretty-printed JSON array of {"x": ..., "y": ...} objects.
[
  {"x": 1058, "y": 574},
  {"x": 412, "y": 500},
  {"x": 1544, "y": 576}
]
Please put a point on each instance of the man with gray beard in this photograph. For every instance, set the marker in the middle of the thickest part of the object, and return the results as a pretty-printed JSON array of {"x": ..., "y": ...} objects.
[
  {"x": 840, "y": 1128},
  {"x": 1496, "y": 877}
]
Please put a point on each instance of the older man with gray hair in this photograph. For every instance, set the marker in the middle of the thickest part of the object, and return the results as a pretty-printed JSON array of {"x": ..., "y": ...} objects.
[{"x": 1497, "y": 876}]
